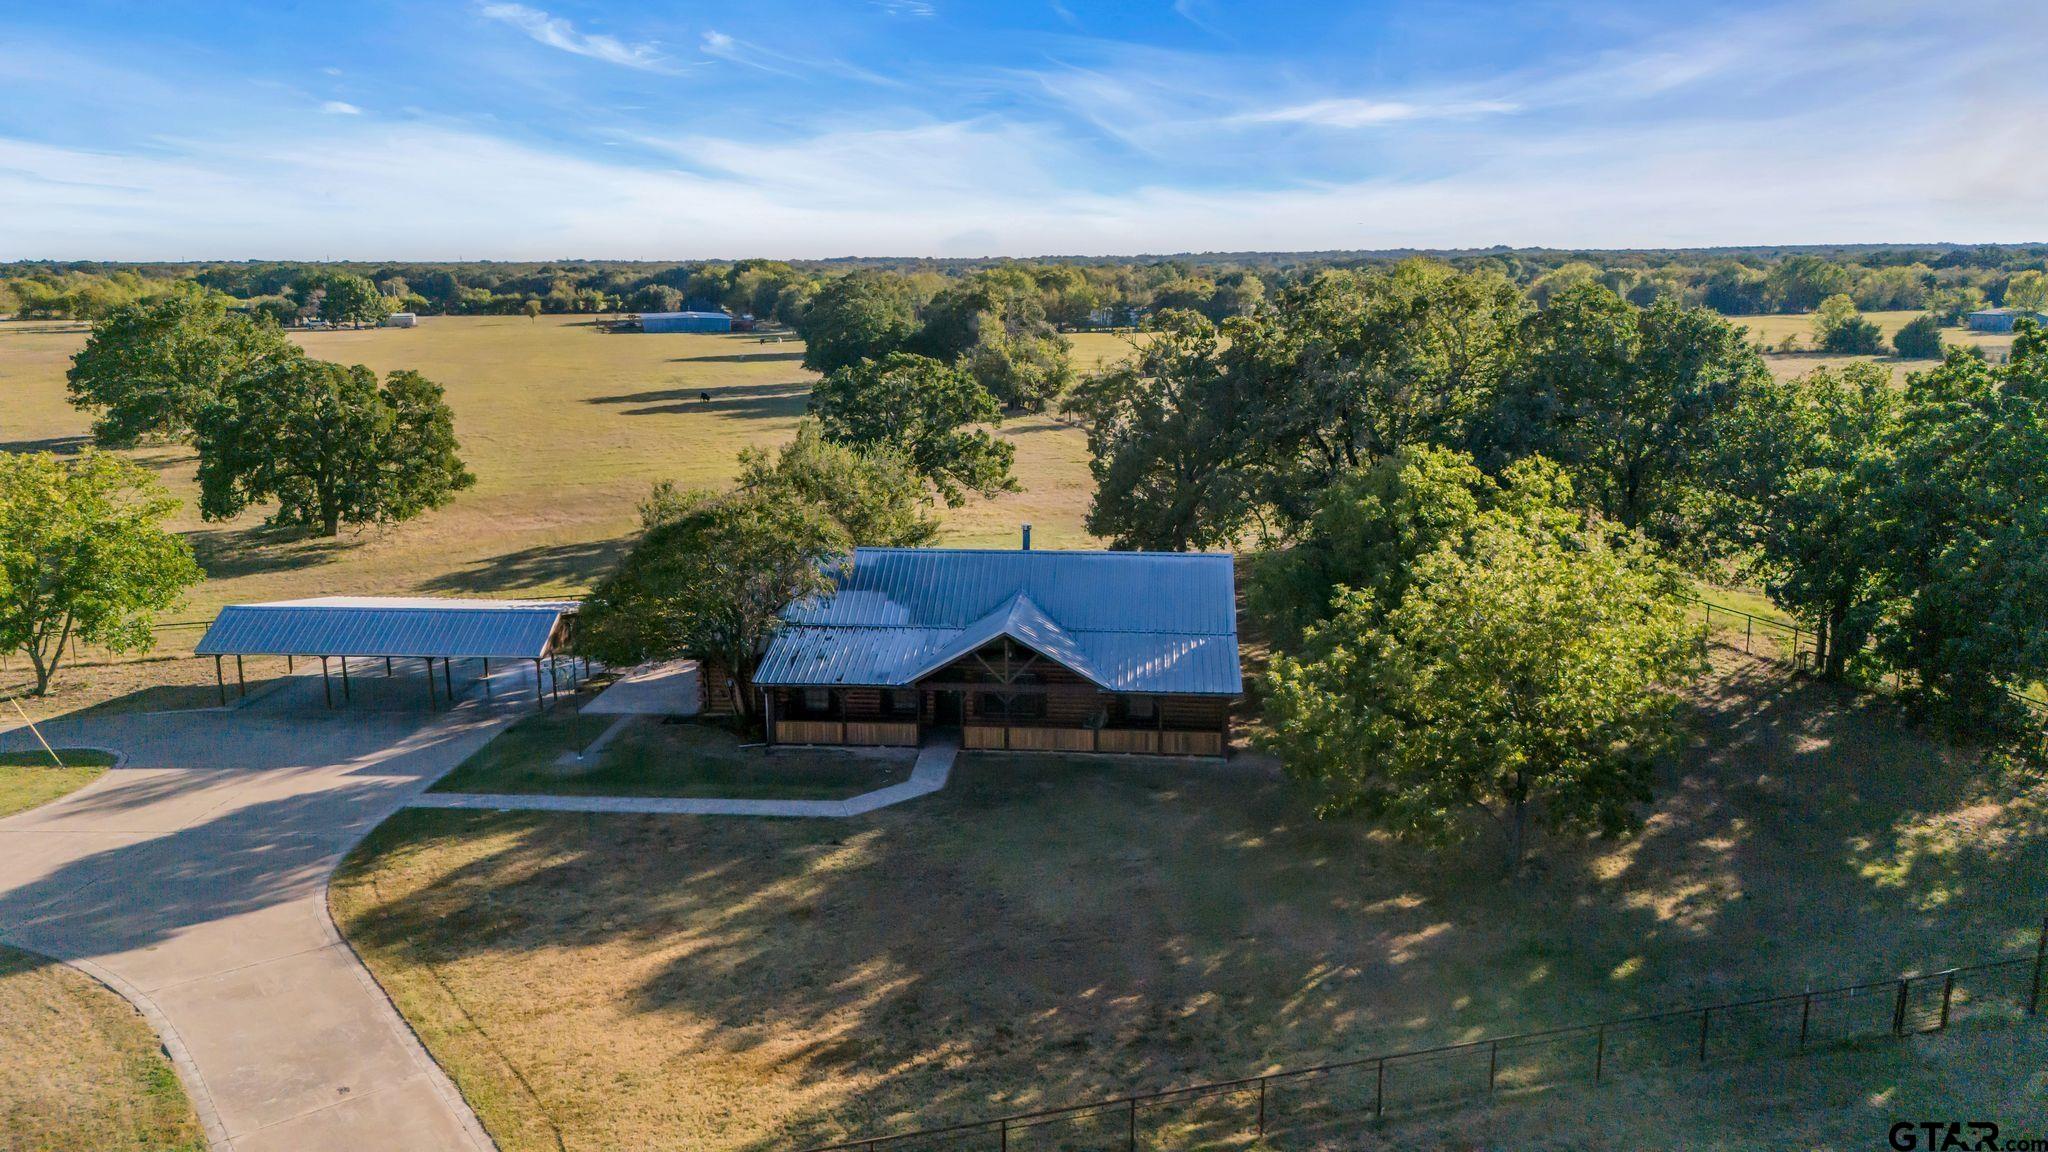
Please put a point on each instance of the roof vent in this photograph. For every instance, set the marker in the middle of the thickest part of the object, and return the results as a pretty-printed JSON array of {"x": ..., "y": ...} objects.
[{"x": 1027, "y": 538}]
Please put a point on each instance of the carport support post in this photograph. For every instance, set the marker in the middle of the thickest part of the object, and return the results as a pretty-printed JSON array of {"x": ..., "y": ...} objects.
[
  {"x": 432, "y": 699},
  {"x": 241, "y": 681},
  {"x": 540, "y": 695},
  {"x": 554, "y": 679},
  {"x": 448, "y": 678},
  {"x": 220, "y": 681},
  {"x": 326, "y": 685},
  {"x": 346, "y": 692}
]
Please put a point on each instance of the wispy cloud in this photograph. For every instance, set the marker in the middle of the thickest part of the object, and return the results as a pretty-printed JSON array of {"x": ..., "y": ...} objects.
[
  {"x": 1354, "y": 113},
  {"x": 556, "y": 32},
  {"x": 340, "y": 108},
  {"x": 906, "y": 7},
  {"x": 750, "y": 55}
]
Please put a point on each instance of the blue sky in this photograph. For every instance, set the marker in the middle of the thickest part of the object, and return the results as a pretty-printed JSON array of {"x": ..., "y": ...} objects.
[{"x": 153, "y": 129}]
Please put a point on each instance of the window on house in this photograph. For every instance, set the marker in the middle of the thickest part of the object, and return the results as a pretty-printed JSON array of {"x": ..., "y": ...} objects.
[
  {"x": 996, "y": 706},
  {"x": 818, "y": 700},
  {"x": 1140, "y": 708},
  {"x": 897, "y": 702}
]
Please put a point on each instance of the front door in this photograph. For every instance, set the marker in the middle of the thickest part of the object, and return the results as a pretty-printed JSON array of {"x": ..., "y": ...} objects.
[{"x": 947, "y": 708}]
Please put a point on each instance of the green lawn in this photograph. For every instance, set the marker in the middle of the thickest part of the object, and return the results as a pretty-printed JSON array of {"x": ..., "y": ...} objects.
[
  {"x": 1047, "y": 930},
  {"x": 650, "y": 758},
  {"x": 82, "y": 1069},
  {"x": 28, "y": 779}
]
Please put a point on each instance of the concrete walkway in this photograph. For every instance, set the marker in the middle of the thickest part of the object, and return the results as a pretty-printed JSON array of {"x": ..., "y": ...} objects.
[
  {"x": 193, "y": 880},
  {"x": 934, "y": 765}
]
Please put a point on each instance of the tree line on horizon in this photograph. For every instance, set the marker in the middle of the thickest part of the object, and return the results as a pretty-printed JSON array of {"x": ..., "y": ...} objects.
[{"x": 1075, "y": 292}]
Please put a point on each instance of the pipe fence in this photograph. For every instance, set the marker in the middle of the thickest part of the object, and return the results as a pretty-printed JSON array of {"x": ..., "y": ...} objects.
[{"x": 1308, "y": 1099}]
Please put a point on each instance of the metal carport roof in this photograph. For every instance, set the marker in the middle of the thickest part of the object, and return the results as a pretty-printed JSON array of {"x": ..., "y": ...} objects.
[{"x": 387, "y": 626}]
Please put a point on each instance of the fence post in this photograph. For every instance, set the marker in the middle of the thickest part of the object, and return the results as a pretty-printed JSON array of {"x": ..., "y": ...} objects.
[
  {"x": 1004, "y": 1130},
  {"x": 1948, "y": 988},
  {"x": 1379, "y": 1089},
  {"x": 1749, "y": 634},
  {"x": 1899, "y": 1011},
  {"x": 1599, "y": 1053},
  {"x": 1805, "y": 1015},
  {"x": 1262, "y": 1105},
  {"x": 1706, "y": 1015},
  {"x": 1492, "y": 1063},
  {"x": 1133, "y": 1142}
]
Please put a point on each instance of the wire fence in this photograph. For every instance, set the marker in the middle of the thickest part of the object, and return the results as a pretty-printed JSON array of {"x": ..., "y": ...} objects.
[
  {"x": 1791, "y": 644},
  {"x": 1305, "y": 1100}
]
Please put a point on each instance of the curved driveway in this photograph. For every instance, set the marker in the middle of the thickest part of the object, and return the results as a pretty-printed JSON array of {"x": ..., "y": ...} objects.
[{"x": 193, "y": 879}]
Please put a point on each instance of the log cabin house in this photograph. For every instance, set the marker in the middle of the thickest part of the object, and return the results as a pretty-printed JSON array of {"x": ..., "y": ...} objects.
[{"x": 1131, "y": 652}]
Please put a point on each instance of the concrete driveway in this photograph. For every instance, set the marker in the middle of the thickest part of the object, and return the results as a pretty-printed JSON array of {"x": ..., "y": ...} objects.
[{"x": 193, "y": 880}]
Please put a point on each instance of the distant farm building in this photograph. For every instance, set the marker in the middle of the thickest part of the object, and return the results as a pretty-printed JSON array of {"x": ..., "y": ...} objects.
[
  {"x": 2002, "y": 319},
  {"x": 401, "y": 320},
  {"x": 685, "y": 322}
]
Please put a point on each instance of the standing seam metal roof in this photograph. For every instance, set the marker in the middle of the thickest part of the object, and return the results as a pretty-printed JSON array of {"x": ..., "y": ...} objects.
[
  {"x": 372, "y": 626},
  {"x": 1151, "y": 622}
]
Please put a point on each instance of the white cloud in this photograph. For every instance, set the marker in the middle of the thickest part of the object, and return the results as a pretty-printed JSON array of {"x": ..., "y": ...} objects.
[
  {"x": 1350, "y": 113},
  {"x": 556, "y": 32},
  {"x": 340, "y": 108}
]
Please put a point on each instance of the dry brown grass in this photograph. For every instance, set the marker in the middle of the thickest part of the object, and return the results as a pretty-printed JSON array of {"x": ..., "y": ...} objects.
[
  {"x": 565, "y": 428},
  {"x": 80, "y": 1069},
  {"x": 1046, "y": 930}
]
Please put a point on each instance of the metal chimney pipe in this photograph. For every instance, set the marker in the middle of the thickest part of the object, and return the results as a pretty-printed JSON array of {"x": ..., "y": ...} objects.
[{"x": 1027, "y": 538}]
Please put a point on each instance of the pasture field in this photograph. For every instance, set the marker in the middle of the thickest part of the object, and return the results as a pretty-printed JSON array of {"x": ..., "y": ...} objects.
[
  {"x": 1049, "y": 930},
  {"x": 1769, "y": 330},
  {"x": 566, "y": 428},
  {"x": 83, "y": 1069}
]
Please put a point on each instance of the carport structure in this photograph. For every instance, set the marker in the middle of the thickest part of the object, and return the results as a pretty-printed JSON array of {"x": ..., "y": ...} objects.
[{"x": 394, "y": 628}]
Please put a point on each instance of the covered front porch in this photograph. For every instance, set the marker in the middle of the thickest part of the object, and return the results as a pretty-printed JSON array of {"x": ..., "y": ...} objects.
[{"x": 988, "y": 716}]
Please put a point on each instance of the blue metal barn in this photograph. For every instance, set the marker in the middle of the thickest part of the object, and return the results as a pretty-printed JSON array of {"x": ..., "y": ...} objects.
[{"x": 685, "y": 322}]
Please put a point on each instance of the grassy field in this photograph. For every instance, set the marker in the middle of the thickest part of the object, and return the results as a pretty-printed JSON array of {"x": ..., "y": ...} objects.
[
  {"x": 1045, "y": 930},
  {"x": 1770, "y": 330},
  {"x": 82, "y": 1068},
  {"x": 565, "y": 427},
  {"x": 28, "y": 778},
  {"x": 650, "y": 758}
]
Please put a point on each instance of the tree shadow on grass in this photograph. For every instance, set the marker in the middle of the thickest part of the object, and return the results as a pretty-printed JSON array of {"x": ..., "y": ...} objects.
[
  {"x": 543, "y": 566},
  {"x": 61, "y": 445},
  {"x": 1048, "y": 931},
  {"x": 740, "y": 358},
  {"x": 226, "y": 553},
  {"x": 746, "y": 401}
]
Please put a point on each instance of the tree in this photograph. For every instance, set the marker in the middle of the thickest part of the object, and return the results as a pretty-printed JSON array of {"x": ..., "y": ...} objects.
[
  {"x": 344, "y": 298},
  {"x": 150, "y": 366},
  {"x": 84, "y": 556},
  {"x": 1166, "y": 442},
  {"x": 1803, "y": 463},
  {"x": 329, "y": 445},
  {"x": 1800, "y": 283},
  {"x": 857, "y": 317},
  {"x": 1346, "y": 369},
  {"x": 875, "y": 497},
  {"x": 531, "y": 308},
  {"x": 1734, "y": 290},
  {"x": 2027, "y": 291},
  {"x": 1962, "y": 530},
  {"x": 1625, "y": 398},
  {"x": 1839, "y": 328},
  {"x": 925, "y": 410},
  {"x": 657, "y": 298},
  {"x": 709, "y": 577},
  {"x": 1919, "y": 338},
  {"x": 1529, "y": 676},
  {"x": 1023, "y": 373},
  {"x": 1373, "y": 526}
]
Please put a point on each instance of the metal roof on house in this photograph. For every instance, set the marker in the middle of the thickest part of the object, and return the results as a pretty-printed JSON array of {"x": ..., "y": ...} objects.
[
  {"x": 386, "y": 626},
  {"x": 1144, "y": 622}
]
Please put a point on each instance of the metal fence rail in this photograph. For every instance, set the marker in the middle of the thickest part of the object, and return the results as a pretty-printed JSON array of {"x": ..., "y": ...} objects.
[{"x": 1308, "y": 1098}]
